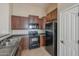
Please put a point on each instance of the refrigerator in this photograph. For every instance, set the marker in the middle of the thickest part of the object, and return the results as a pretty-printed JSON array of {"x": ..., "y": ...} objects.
[{"x": 51, "y": 38}]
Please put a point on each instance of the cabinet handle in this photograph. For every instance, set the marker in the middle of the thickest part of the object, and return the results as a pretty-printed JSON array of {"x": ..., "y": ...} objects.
[{"x": 78, "y": 41}]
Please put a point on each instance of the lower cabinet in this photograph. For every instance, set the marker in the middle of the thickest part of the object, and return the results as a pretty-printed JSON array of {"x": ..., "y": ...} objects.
[
  {"x": 42, "y": 40},
  {"x": 23, "y": 44},
  {"x": 18, "y": 52}
]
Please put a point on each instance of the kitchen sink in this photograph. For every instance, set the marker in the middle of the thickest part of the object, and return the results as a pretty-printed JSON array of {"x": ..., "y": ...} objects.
[
  {"x": 6, "y": 50},
  {"x": 9, "y": 47}
]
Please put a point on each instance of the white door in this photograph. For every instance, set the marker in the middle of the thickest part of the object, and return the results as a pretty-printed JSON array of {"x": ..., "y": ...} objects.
[{"x": 69, "y": 32}]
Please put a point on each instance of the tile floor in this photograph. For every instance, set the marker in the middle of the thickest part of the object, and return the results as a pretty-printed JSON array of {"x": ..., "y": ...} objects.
[{"x": 35, "y": 52}]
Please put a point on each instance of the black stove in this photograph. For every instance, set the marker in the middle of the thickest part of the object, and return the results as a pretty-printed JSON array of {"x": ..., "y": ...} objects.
[{"x": 34, "y": 39}]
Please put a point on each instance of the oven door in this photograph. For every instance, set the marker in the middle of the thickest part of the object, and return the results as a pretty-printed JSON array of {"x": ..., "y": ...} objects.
[
  {"x": 33, "y": 26},
  {"x": 34, "y": 43}
]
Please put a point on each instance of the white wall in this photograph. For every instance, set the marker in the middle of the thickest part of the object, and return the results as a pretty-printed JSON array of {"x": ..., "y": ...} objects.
[
  {"x": 4, "y": 18},
  {"x": 10, "y": 13},
  {"x": 28, "y": 9}
]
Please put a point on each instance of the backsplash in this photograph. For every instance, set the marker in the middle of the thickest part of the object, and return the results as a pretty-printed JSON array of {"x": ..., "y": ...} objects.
[{"x": 20, "y": 32}]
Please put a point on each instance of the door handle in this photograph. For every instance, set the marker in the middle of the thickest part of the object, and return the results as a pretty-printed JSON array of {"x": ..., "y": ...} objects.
[
  {"x": 78, "y": 41},
  {"x": 62, "y": 42}
]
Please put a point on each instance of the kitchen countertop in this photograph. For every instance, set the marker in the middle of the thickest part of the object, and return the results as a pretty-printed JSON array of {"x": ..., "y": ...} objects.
[
  {"x": 4, "y": 36},
  {"x": 10, "y": 50}
]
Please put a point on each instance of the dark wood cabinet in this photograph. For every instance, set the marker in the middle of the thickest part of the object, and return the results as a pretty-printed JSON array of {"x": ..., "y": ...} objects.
[
  {"x": 42, "y": 40},
  {"x": 24, "y": 22},
  {"x": 15, "y": 22},
  {"x": 36, "y": 19},
  {"x": 52, "y": 15},
  {"x": 23, "y": 45},
  {"x": 41, "y": 23},
  {"x": 33, "y": 19},
  {"x": 18, "y": 22},
  {"x": 19, "y": 50}
]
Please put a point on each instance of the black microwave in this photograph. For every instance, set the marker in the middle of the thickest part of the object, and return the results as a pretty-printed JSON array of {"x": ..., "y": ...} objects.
[{"x": 33, "y": 26}]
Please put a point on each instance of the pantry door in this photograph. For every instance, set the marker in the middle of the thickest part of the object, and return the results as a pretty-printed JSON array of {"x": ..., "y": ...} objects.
[{"x": 69, "y": 32}]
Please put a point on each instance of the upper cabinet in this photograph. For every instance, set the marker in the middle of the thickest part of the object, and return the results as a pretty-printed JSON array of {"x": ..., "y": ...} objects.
[
  {"x": 15, "y": 22},
  {"x": 5, "y": 18},
  {"x": 52, "y": 15},
  {"x": 19, "y": 22},
  {"x": 36, "y": 19},
  {"x": 33, "y": 19}
]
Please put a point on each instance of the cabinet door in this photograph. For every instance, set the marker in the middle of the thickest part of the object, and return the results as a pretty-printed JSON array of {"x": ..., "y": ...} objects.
[
  {"x": 24, "y": 22},
  {"x": 33, "y": 19},
  {"x": 51, "y": 16},
  {"x": 48, "y": 17},
  {"x": 15, "y": 21},
  {"x": 19, "y": 22},
  {"x": 42, "y": 40},
  {"x": 54, "y": 14},
  {"x": 41, "y": 26},
  {"x": 24, "y": 42}
]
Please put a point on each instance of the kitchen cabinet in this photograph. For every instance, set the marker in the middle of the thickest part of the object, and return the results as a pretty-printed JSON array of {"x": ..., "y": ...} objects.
[
  {"x": 18, "y": 52},
  {"x": 24, "y": 22},
  {"x": 52, "y": 15},
  {"x": 42, "y": 40},
  {"x": 5, "y": 18},
  {"x": 41, "y": 23},
  {"x": 36, "y": 19},
  {"x": 15, "y": 22},
  {"x": 19, "y": 22},
  {"x": 33, "y": 19},
  {"x": 23, "y": 44}
]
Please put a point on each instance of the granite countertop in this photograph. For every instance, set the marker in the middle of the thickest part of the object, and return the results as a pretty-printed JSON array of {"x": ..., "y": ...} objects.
[
  {"x": 4, "y": 36},
  {"x": 9, "y": 50}
]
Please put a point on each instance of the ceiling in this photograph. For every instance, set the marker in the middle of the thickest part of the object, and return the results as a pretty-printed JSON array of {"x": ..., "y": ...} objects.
[
  {"x": 42, "y": 5},
  {"x": 24, "y": 9}
]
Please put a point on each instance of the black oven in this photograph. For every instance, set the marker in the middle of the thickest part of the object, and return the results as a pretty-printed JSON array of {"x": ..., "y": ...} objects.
[
  {"x": 33, "y": 26},
  {"x": 34, "y": 39}
]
